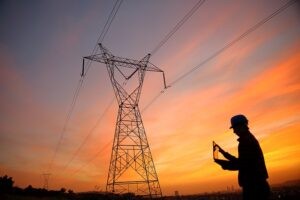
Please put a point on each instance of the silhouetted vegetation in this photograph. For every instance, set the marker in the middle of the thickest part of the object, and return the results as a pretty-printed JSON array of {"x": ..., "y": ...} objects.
[
  {"x": 6, "y": 184},
  {"x": 9, "y": 192}
]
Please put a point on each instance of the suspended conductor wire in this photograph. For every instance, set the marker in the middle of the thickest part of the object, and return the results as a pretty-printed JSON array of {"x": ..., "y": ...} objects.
[
  {"x": 250, "y": 30},
  {"x": 177, "y": 26},
  {"x": 109, "y": 22},
  {"x": 227, "y": 46},
  {"x": 92, "y": 130},
  {"x": 153, "y": 100},
  {"x": 103, "y": 148},
  {"x": 71, "y": 109},
  {"x": 93, "y": 158},
  {"x": 104, "y": 31},
  {"x": 89, "y": 133},
  {"x": 162, "y": 42},
  {"x": 80, "y": 83},
  {"x": 242, "y": 36}
]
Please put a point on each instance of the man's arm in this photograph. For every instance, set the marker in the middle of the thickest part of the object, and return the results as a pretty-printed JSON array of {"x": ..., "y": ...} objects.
[
  {"x": 227, "y": 155},
  {"x": 228, "y": 164}
]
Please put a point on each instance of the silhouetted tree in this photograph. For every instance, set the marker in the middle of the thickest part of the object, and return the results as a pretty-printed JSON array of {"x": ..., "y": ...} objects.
[
  {"x": 28, "y": 189},
  {"x": 70, "y": 191},
  {"x": 63, "y": 190},
  {"x": 6, "y": 184}
]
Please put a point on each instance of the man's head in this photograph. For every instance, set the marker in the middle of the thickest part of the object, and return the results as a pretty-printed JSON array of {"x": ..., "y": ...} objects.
[{"x": 239, "y": 124}]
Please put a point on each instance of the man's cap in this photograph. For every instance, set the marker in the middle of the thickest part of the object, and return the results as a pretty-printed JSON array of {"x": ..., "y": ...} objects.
[{"x": 238, "y": 120}]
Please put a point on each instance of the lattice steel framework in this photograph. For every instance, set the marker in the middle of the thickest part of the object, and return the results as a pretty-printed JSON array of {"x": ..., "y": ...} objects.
[
  {"x": 46, "y": 177},
  {"x": 131, "y": 166}
]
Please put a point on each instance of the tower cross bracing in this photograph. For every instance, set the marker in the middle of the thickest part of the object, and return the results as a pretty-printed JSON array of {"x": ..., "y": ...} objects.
[
  {"x": 131, "y": 166},
  {"x": 46, "y": 180}
]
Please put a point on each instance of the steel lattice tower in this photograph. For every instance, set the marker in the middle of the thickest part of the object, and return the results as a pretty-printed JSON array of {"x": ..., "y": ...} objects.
[
  {"x": 46, "y": 180},
  {"x": 131, "y": 166}
]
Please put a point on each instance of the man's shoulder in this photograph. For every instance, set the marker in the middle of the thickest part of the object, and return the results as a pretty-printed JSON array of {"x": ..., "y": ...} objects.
[{"x": 248, "y": 140}]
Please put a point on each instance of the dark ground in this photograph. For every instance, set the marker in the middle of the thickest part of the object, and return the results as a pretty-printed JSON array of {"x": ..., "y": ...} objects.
[{"x": 288, "y": 191}]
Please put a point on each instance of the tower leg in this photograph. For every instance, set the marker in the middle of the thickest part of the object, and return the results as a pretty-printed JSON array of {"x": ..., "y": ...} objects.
[{"x": 131, "y": 167}]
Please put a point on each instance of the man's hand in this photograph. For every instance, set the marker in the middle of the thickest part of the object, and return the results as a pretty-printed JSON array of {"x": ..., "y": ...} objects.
[
  {"x": 222, "y": 163},
  {"x": 220, "y": 149}
]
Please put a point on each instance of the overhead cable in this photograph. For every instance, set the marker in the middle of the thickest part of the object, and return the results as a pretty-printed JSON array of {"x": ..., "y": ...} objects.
[
  {"x": 79, "y": 85},
  {"x": 104, "y": 31},
  {"x": 89, "y": 134},
  {"x": 177, "y": 26},
  {"x": 246, "y": 33},
  {"x": 228, "y": 45}
]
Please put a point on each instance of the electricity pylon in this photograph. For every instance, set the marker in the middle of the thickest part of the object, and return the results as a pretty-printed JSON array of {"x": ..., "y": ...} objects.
[
  {"x": 131, "y": 168},
  {"x": 46, "y": 180}
]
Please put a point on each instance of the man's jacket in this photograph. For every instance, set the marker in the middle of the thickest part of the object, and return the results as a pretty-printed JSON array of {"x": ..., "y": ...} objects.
[{"x": 250, "y": 163}]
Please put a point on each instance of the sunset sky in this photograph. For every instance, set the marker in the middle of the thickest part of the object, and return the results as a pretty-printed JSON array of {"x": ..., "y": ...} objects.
[{"x": 42, "y": 43}]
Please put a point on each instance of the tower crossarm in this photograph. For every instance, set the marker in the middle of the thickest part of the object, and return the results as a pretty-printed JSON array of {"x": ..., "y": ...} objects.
[
  {"x": 123, "y": 62},
  {"x": 131, "y": 165},
  {"x": 112, "y": 62}
]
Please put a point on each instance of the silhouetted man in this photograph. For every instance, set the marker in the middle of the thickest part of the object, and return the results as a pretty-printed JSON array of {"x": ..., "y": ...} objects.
[{"x": 250, "y": 163}]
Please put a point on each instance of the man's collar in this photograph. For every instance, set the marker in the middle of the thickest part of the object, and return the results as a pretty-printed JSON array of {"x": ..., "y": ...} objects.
[{"x": 245, "y": 136}]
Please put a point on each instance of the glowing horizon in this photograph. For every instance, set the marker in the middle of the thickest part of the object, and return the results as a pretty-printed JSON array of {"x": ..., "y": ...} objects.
[{"x": 41, "y": 56}]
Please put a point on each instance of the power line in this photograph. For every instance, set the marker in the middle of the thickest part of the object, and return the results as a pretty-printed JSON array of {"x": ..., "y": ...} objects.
[
  {"x": 71, "y": 109},
  {"x": 246, "y": 33},
  {"x": 109, "y": 22},
  {"x": 102, "y": 149},
  {"x": 104, "y": 31},
  {"x": 92, "y": 130},
  {"x": 79, "y": 86},
  {"x": 154, "y": 99},
  {"x": 161, "y": 43},
  {"x": 230, "y": 44},
  {"x": 93, "y": 158},
  {"x": 89, "y": 134},
  {"x": 177, "y": 26}
]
